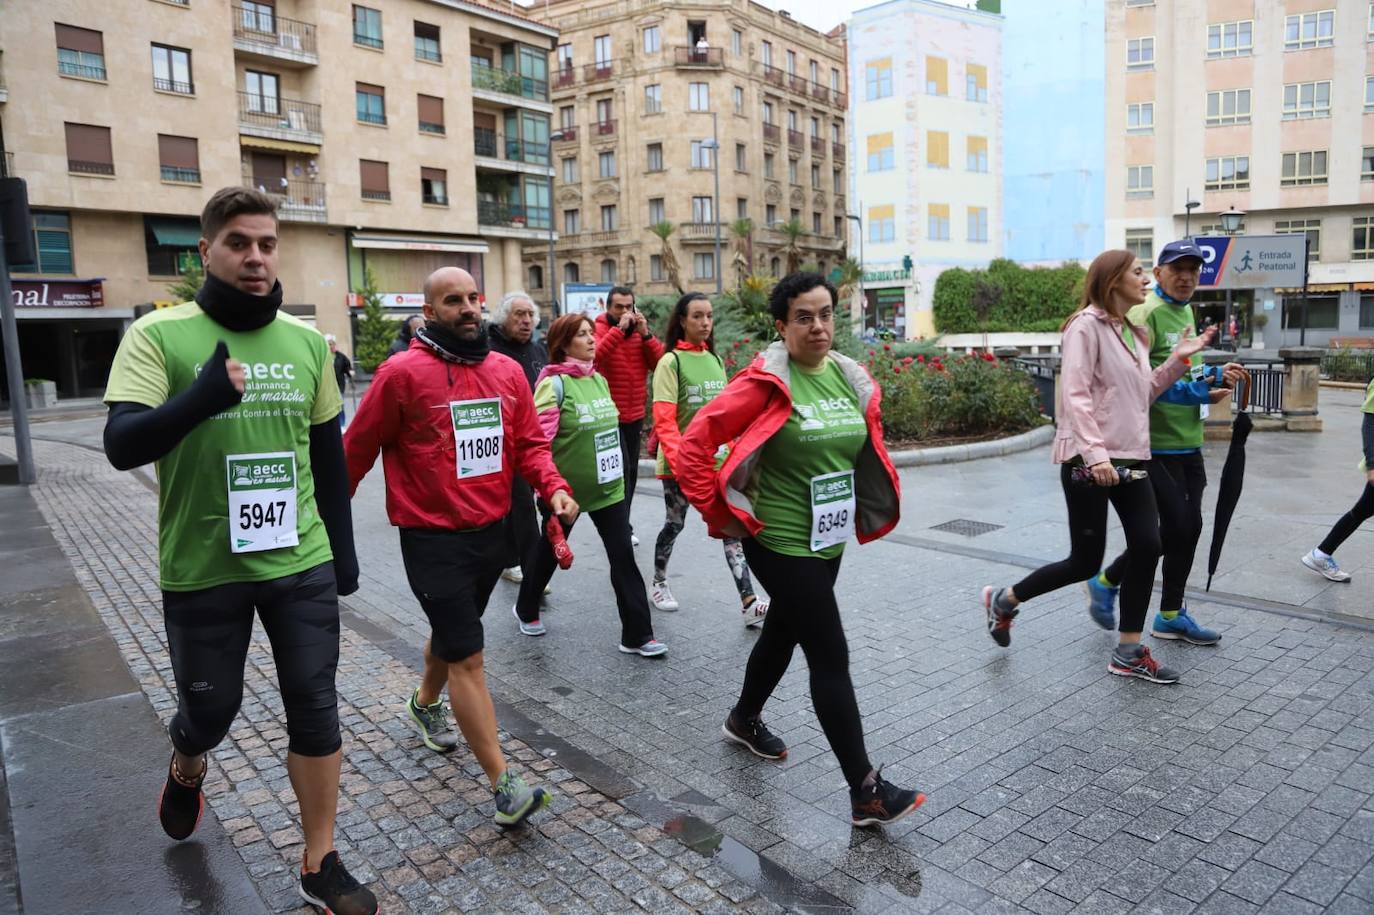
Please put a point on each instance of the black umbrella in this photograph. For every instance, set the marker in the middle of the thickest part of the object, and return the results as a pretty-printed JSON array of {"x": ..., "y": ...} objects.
[{"x": 1232, "y": 478}]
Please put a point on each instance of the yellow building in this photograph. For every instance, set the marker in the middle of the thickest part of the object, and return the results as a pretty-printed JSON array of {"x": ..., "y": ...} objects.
[
  {"x": 401, "y": 135},
  {"x": 640, "y": 89}
]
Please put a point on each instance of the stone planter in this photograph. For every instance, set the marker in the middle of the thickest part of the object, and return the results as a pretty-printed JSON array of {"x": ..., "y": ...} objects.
[{"x": 41, "y": 393}]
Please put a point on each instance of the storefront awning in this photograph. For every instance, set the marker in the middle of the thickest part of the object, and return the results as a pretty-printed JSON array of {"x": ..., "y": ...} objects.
[
  {"x": 307, "y": 149},
  {"x": 1314, "y": 287},
  {"x": 451, "y": 243},
  {"x": 175, "y": 233}
]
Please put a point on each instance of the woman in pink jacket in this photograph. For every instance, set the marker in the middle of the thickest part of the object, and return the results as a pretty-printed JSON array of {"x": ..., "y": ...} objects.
[{"x": 1102, "y": 445}]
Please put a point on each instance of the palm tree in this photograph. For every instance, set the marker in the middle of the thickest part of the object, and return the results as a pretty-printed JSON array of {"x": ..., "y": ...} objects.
[
  {"x": 664, "y": 231},
  {"x": 850, "y": 275},
  {"x": 743, "y": 232},
  {"x": 792, "y": 231}
]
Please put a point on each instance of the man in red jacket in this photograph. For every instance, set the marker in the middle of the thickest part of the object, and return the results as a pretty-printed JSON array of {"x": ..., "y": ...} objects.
[
  {"x": 453, "y": 422},
  {"x": 626, "y": 353}
]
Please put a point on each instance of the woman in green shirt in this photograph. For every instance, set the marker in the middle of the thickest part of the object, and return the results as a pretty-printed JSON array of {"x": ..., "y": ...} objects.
[{"x": 580, "y": 418}]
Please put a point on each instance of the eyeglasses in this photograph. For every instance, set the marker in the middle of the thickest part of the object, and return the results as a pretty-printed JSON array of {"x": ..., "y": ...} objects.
[{"x": 806, "y": 318}]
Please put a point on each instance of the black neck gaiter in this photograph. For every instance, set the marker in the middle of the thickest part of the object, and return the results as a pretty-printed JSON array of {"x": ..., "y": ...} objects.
[
  {"x": 451, "y": 347},
  {"x": 235, "y": 309}
]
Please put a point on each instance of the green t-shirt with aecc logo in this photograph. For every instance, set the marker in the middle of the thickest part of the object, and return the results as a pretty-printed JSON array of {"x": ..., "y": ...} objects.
[
  {"x": 586, "y": 449},
  {"x": 819, "y": 442},
  {"x": 236, "y": 498},
  {"x": 690, "y": 379}
]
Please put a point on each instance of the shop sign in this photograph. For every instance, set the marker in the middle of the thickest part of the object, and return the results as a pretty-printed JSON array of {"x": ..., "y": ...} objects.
[
  {"x": 886, "y": 276},
  {"x": 1252, "y": 261},
  {"x": 58, "y": 294}
]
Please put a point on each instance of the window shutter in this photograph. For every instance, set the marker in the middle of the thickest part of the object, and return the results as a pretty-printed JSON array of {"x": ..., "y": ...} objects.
[
  {"x": 374, "y": 176},
  {"x": 431, "y": 110},
  {"x": 178, "y": 152},
  {"x": 71, "y": 38},
  {"x": 88, "y": 143},
  {"x": 433, "y": 174}
]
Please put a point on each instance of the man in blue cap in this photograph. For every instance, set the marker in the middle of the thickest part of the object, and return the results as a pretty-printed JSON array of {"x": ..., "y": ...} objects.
[{"x": 1177, "y": 472}]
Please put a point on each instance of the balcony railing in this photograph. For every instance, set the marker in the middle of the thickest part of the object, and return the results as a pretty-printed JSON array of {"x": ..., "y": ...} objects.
[
  {"x": 432, "y": 127},
  {"x": 67, "y": 68},
  {"x": 841, "y": 99},
  {"x": 713, "y": 58},
  {"x": 817, "y": 146},
  {"x": 511, "y": 215},
  {"x": 604, "y": 128},
  {"x": 171, "y": 85},
  {"x": 602, "y": 238},
  {"x": 376, "y": 194},
  {"x": 260, "y": 30},
  {"x": 83, "y": 167},
  {"x": 772, "y": 133},
  {"x": 837, "y": 150},
  {"x": 794, "y": 137},
  {"x": 180, "y": 175},
  {"x": 703, "y": 231},
  {"x": 297, "y": 201},
  {"x": 487, "y": 142},
  {"x": 592, "y": 73},
  {"x": 820, "y": 92},
  {"x": 484, "y": 142},
  {"x": 274, "y": 116},
  {"x": 798, "y": 84},
  {"x": 507, "y": 82},
  {"x": 565, "y": 134},
  {"x": 774, "y": 75},
  {"x": 565, "y": 77}
]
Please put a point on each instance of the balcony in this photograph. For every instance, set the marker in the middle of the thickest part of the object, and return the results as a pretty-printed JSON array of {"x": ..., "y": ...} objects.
[
  {"x": 819, "y": 92},
  {"x": 81, "y": 71},
  {"x": 841, "y": 99},
  {"x": 512, "y": 215},
  {"x": 603, "y": 128},
  {"x": 565, "y": 78},
  {"x": 84, "y": 167},
  {"x": 699, "y": 58},
  {"x": 794, "y": 138},
  {"x": 798, "y": 84},
  {"x": 297, "y": 201},
  {"x": 703, "y": 233},
  {"x": 486, "y": 78},
  {"x": 564, "y": 134},
  {"x": 174, "y": 86},
  {"x": 772, "y": 133},
  {"x": 595, "y": 73},
  {"x": 603, "y": 239},
  {"x": 837, "y": 150},
  {"x": 509, "y": 153},
  {"x": 279, "y": 118},
  {"x": 818, "y": 146},
  {"x": 260, "y": 32},
  {"x": 773, "y": 75}
]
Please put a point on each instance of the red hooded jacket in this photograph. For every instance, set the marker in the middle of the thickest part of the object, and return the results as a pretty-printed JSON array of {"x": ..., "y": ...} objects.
[
  {"x": 625, "y": 361},
  {"x": 754, "y": 406},
  {"x": 405, "y": 415}
]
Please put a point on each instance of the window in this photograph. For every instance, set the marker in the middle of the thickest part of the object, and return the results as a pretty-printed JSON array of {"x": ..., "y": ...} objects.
[
  {"x": 601, "y": 51},
  {"x": 834, "y": 80},
  {"x": 179, "y": 159},
  {"x": 572, "y": 222},
  {"x": 791, "y": 120},
  {"x": 1367, "y": 164},
  {"x": 1322, "y": 312},
  {"x": 80, "y": 52},
  {"x": 736, "y": 42},
  {"x": 656, "y": 274},
  {"x": 792, "y": 63},
  {"x": 816, "y": 128},
  {"x": 701, "y": 154},
  {"x": 815, "y": 175},
  {"x": 839, "y": 227},
  {"x": 427, "y": 42},
  {"x": 741, "y": 207},
  {"x": 536, "y": 276},
  {"x": 1140, "y": 117},
  {"x": 261, "y": 92},
  {"x": 814, "y": 72},
  {"x": 768, "y": 113},
  {"x": 656, "y": 211},
  {"x": 571, "y": 273},
  {"x": 881, "y": 155},
  {"x": 653, "y": 99},
  {"x": 976, "y": 83},
  {"x": 565, "y": 63},
  {"x": 170, "y": 243},
  {"x": 741, "y": 158},
  {"x": 882, "y": 224},
  {"x": 1141, "y": 243},
  {"x": 1140, "y": 181},
  {"x": 769, "y": 170},
  {"x": 371, "y": 104},
  {"x": 571, "y": 173},
  {"x": 1228, "y": 106},
  {"x": 837, "y": 132},
  {"x": 704, "y": 265},
  {"x": 1312, "y": 228},
  {"x": 738, "y": 96},
  {"x": 816, "y": 223},
  {"x": 430, "y": 109},
  {"x": 654, "y": 157},
  {"x": 172, "y": 70},
  {"x": 775, "y": 266},
  {"x": 977, "y": 148},
  {"x": 1219, "y": 229},
  {"x": 608, "y": 272},
  {"x": 1362, "y": 240},
  {"x": 878, "y": 78},
  {"x": 1307, "y": 100},
  {"x": 1308, "y": 167},
  {"x": 605, "y": 164},
  {"x": 367, "y": 27},
  {"x": 792, "y": 173},
  {"x": 1140, "y": 2},
  {"x": 1228, "y": 173},
  {"x": 88, "y": 149},
  {"x": 937, "y": 149},
  {"x": 1368, "y": 94},
  {"x": 767, "y": 53},
  {"x": 52, "y": 237},
  {"x": 652, "y": 41},
  {"x": 609, "y": 221},
  {"x": 977, "y": 223},
  {"x": 1230, "y": 39},
  {"x": 937, "y": 222},
  {"x": 702, "y": 210},
  {"x": 434, "y": 186},
  {"x": 770, "y": 215},
  {"x": 838, "y": 186},
  {"x": 259, "y": 16},
  {"x": 1309, "y": 30},
  {"x": 376, "y": 180},
  {"x": 698, "y": 96},
  {"x": 1140, "y": 53},
  {"x": 566, "y": 116},
  {"x": 937, "y": 76}
]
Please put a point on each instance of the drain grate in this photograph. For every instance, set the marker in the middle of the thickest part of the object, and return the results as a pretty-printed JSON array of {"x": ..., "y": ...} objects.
[{"x": 967, "y": 528}]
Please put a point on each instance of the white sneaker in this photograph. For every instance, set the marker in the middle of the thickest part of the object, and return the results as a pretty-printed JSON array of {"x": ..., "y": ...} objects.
[
  {"x": 634, "y": 539},
  {"x": 662, "y": 597},
  {"x": 755, "y": 613},
  {"x": 1326, "y": 568},
  {"x": 650, "y": 649},
  {"x": 513, "y": 575}
]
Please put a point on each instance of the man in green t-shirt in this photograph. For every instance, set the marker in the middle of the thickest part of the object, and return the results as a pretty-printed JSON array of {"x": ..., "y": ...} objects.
[{"x": 236, "y": 403}]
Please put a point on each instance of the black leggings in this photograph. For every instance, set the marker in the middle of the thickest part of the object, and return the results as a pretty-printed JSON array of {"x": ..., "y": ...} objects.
[
  {"x": 802, "y": 611},
  {"x": 1178, "y": 481},
  {"x": 1087, "y": 504},
  {"x": 207, "y": 637},
  {"x": 613, "y": 524},
  {"x": 1362, "y": 511},
  {"x": 522, "y": 524}
]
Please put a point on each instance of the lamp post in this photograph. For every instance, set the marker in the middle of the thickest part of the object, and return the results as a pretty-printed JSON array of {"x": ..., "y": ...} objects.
[
  {"x": 863, "y": 299},
  {"x": 713, "y": 145},
  {"x": 553, "y": 263},
  {"x": 1189, "y": 204},
  {"x": 1231, "y": 220}
]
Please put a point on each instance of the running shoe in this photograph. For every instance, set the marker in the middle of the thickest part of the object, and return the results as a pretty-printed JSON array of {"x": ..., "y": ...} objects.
[
  {"x": 650, "y": 649},
  {"x": 1184, "y": 627},
  {"x": 333, "y": 889},
  {"x": 881, "y": 802},
  {"x": 751, "y": 733},
  {"x": 432, "y": 722},
  {"x": 999, "y": 620},
  {"x": 755, "y": 613},
  {"x": 1102, "y": 602},
  {"x": 662, "y": 597},
  {"x": 513, "y": 575},
  {"x": 179, "y": 806},
  {"x": 1326, "y": 568},
  {"x": 535, "y": 627},
  {"x": 634, "y": 539},
  {"x": 517, "y": 801},
  {"x": 1142, "y": 666}
]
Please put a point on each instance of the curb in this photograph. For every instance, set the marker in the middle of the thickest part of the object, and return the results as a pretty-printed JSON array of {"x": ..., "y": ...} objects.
[
  {"x": 950, "y": 454},
  {"x": 1343, "y": 385}
]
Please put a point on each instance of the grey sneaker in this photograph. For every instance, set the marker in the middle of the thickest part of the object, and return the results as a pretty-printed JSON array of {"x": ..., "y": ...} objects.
[
  {"x": 535, "y": 627},
  {"x": 516, "y": 801},
  {"x": 432, "y": 722},
  {"x": 1326, "y": 568}
]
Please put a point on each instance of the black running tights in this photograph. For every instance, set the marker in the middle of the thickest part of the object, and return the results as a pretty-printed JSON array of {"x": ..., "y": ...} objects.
[{"x": 1362, "y": 511}]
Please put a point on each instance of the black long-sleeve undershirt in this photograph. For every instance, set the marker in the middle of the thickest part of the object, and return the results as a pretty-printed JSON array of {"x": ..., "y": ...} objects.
[
  {"x": 330, "y": 470},
  {"x": 1367, "y": 433}
]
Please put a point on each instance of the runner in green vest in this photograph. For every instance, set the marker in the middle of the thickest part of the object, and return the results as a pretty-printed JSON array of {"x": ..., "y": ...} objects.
[
  {"x": 685, "y": 380},
  {"x": 236, "y": 403},
  {"x": 1321, "y": 559}
]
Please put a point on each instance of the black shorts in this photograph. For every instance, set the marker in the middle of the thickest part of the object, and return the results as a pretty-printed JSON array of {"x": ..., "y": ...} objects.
[{"x": 453, "y": 574}]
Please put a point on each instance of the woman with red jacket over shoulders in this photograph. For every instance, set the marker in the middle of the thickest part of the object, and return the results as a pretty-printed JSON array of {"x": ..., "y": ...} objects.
[{"x": 807, "y": 470}]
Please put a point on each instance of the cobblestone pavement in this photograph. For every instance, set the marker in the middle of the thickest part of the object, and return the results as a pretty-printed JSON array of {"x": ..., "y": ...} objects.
[{"x": 1053, "y": 787}]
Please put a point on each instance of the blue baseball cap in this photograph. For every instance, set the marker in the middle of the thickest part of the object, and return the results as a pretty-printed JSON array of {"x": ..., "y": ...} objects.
[{"x": 1177, "y": 250}]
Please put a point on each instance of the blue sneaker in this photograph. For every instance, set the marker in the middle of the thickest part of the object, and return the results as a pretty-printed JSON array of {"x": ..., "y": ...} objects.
[
  {"x": 1184, "y": 627},
  {"x": 1101, "y": 602}
]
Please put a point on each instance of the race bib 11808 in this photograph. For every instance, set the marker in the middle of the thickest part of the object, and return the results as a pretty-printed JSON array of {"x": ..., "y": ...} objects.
[
  {"x": 262, "y": 501},
  {"x": 478, "y": 436}
]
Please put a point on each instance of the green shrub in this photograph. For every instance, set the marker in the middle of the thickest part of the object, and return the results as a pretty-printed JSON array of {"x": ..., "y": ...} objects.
[
  {"x": 928, "y": 397},
  {"x": 1006, "y": 297}
]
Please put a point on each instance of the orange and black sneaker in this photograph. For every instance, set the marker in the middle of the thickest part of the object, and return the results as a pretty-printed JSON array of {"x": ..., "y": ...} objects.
[
  {"x": 333, "y": 889},
  {"x": 999, "y": 618},
  {"x": 881, "y": 802},
  {"x": 180, "y": 805}
]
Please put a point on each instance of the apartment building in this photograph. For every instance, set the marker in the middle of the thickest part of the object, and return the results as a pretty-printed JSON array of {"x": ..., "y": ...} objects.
[
  {"x": 1260, "y": 106},
  {"x": 400, "y": 136},
  {"x": 653, "y": 101},
  {"x": 927, "y": 172}
]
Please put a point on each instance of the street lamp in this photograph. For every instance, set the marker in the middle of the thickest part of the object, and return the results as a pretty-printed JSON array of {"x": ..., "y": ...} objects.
[
  {"x": 713, "y": 145},
  {"x": 1189, "y": 204},
  {"x": 1231, "y": 220},
  {"x": 863, "y": 300}
]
